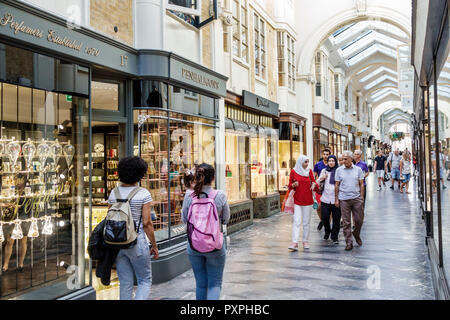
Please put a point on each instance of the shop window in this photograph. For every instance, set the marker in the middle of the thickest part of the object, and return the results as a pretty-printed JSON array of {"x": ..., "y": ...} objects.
[
  {"x": 318, "y": 69},
  {"x": 291, "y": 62},
  {"x": 43, "y": 204},
  {"x": 240, "y": 29},
  {"x": 237, "y": 170},
  {"x": 272, "y": 161},
  {"x": 258, "y": 163},
  {"x": 284, "y": 158},
  {"x": 281, "y": 58},
  {"x": 152, "y": 94},
  {"x": 105, "y": 96},
  {"x": 337, "y": 92},
  {"x": 170, "y": 150},
  {"x": 260, "y": 47}
]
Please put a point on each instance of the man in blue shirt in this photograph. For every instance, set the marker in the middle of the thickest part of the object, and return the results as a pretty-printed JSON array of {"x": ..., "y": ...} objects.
[
  {"x": 359, "y": 163},
  {"x": 318, "y": 167}
]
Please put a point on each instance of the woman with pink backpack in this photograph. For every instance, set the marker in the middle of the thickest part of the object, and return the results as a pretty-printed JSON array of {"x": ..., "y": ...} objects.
[{"x": 204, "y": 212}]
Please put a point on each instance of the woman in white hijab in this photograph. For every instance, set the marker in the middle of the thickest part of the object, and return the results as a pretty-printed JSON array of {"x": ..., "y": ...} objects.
[{"x": 302, "y": 181}]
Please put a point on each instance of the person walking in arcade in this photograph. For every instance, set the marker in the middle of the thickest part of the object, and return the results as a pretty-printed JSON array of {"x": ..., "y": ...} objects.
[{"x": 302, "y": 181}]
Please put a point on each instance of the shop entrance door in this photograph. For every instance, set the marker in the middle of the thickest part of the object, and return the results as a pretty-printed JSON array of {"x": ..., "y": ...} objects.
[{"x": 108, "y": 146}]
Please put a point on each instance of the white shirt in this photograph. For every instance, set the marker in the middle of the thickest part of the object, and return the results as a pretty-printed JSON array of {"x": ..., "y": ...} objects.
[{"x": 328, "y": 190}]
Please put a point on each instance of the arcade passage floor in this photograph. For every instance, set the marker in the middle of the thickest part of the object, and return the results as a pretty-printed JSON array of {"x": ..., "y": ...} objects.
[{"x": 259, "y": 266}]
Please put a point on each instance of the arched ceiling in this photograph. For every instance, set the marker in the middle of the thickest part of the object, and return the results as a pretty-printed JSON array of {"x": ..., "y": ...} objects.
[{"x": 369, "y": 52}]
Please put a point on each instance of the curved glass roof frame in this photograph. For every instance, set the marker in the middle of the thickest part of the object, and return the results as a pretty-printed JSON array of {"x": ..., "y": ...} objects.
[
  {"x": 380, "y": 80},
  {"x": 374, "y": 48},
  {"x": 355, "y": 28},
  {"x": 377, "y": 71},
  {"x": 385, "y": 95},
  {"x": 382, "y": 91},
  {"x": 366, "y": 39}
]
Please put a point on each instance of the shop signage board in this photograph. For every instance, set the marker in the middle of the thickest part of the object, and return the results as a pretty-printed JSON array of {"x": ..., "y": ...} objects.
[
  {"x": 196, "y": 77},
  {"x": 259, "y": 103},
  {"x": 32, "y": 28}
]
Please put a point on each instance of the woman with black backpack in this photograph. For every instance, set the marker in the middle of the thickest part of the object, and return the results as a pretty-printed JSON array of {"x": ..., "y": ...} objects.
[
  {"x": 204, "y": 211},
  {"x": 135, "y": 260}
]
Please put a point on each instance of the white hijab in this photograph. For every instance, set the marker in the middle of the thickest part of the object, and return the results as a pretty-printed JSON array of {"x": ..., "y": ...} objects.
[{"x": 299, "y": 166}]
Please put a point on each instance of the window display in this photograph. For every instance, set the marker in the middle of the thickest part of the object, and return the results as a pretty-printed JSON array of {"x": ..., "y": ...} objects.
[
  {"x": 272, "y": 161},
  {"x": 171, "y": 143},
  {"x": 290, "y": 147},
  {"x": 41, "y": 197},
  {"x": 258, "y": 161},
  {"x": 237, "y": 175}
]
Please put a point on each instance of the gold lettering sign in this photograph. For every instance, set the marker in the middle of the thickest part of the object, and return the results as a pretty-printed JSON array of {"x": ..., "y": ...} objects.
[
  {"x": 8, "y": 19},
  {"x": 53, "y": 36},
  {"x": 337, "y": 127},
  {"x": 193, "y": 76},
  {"x": 123, "y": 60}
]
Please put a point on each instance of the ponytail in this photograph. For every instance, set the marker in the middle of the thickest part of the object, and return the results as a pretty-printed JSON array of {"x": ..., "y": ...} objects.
[{"x": 204, "y": 175}]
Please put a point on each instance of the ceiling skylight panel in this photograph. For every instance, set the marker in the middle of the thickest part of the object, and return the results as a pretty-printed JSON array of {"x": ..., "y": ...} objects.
[
  {"x": 379, "y": 80},
  {"x": 363, "y": 70},
  {"x": 385, "y": 95},
  {"x": 350, "y": 32},
  {"x": 383, "y": 91},
  {"x": 377, "y": 71}
]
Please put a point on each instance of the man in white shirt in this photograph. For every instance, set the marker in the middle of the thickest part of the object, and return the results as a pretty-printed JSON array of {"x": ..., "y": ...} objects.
[{"x": 394, "y": 161}]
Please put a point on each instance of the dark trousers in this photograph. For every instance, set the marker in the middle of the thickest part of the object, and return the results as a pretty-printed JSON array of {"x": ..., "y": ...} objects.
[
  {"x": 327, "y": 210},
  {"x": 349, "y": 208}
]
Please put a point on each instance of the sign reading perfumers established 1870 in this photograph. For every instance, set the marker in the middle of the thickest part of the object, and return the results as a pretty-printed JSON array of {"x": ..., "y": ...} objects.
[{"x": 34, "y": 29}]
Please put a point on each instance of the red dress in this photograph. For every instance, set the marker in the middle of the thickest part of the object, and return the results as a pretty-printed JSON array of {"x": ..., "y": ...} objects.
[{"x": 303, "y": 194}]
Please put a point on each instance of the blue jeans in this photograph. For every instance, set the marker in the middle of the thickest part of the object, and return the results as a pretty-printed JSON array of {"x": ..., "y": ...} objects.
[
  {"x": 406, "y": 177},
  {"x": 135, "y": 261},
  {"x": 208, "y": 272},
  {"x": 395, "y": 173}
]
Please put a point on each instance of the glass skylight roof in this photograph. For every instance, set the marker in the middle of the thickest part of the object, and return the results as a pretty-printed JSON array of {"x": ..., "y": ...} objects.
[
  {"x": 377, "y": 71},
  {"x": 385, "y": 95},
  {"x": 363, "y": 70},
  {"x": 380, "y": 92},
  {"x": 376, "y": 47},
  {"x": 368, "y": 38},
  {"x": 346, "y": 33},
  {"x": 380, "y": 80}
]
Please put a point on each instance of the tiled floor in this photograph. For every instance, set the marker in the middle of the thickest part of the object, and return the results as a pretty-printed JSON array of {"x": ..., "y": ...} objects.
[{"x": 259, "y": 266}]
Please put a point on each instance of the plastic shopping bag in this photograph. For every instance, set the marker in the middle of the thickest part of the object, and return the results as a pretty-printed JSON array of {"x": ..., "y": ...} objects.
[{"x": 288, "y": 202}]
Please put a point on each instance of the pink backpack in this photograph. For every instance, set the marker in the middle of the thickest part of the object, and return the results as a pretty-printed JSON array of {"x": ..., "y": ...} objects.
[{"x": 203, "y": 224}]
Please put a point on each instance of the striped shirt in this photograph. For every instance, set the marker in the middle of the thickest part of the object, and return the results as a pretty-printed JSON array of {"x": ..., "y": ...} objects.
[{"x": 141, "y": 198}]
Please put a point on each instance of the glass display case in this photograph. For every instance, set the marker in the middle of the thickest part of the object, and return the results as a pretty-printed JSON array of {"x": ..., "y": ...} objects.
[
  {"x": 43, "y": 140},
  {"x": 237, "y": 175},
  {"x": 258, "y": 160},
  {"x": 272, "y": 161},
  {"x": 171, "y": 143},
  {"x": 290, "y": 147}
]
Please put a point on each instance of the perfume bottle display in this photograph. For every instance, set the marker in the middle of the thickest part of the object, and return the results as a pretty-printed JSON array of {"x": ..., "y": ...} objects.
[
  {"x": 43, "y": 152},
  {"x": 56, "y": 152},
  {"x": 28, "y": 151},
  {"x": 48, "y": 226},
  {"x": 13, "y": 152},
  {"x": 2, "y": 236},
  {"x": 69, "y": 152},
  {"x": 33, "y": 232},
  {"x": 17, "y": 231}
]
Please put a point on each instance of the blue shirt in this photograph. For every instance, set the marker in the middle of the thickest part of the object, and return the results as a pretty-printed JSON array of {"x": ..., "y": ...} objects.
[
  {"x": 319, "y": 167},
  {"x": 349, "y": 182},
  {"x": 363, "y": 167}
]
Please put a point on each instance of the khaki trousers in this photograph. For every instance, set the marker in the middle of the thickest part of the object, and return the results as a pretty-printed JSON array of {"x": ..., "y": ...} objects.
[{"x": 349, "y": 207}]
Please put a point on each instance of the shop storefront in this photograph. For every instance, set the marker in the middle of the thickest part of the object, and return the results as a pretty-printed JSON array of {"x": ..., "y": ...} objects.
[
  {"x": 251, "y": 131},
  {"x": 327, "y": 133},
  {"x": 291, "y": 144},
  {"x": 351, "y": 137},
  {"x": 69, "y": 110}
]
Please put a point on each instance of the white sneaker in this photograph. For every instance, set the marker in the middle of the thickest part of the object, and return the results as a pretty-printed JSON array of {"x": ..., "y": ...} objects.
[
  {"x": 305, "y": 245},
  {"x": 379, "y": 188}
]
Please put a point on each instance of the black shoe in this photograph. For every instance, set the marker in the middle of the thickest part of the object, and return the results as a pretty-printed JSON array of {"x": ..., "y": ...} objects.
[
  {"x": 320, "y": 226},
  {"x": 358, "y": 239},
  {"x": 392, "y": 187},
  {"x": 335, "y": 241},
  {"x": 20, "y": 269},
  {"x": 326, "y": 236}
]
